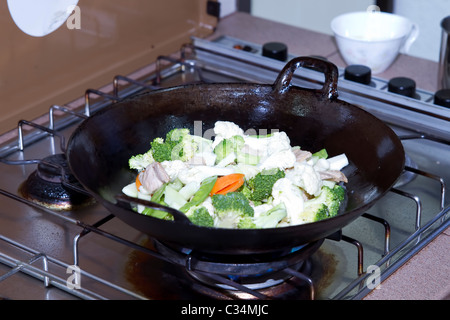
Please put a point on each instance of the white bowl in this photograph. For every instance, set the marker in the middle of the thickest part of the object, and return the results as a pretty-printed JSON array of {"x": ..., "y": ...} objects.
[{"x": 373, "y": 39}]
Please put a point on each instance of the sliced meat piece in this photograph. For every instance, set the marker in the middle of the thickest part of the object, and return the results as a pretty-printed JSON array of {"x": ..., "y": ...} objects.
[
  {"x": 301, "y": 155},
  {"x": 153, "y": 177},
  {"x": 333, "y": 175}
]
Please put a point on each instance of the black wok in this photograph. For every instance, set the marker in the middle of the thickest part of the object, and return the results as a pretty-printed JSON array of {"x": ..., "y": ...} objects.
[{"x": 99, "y": 149}]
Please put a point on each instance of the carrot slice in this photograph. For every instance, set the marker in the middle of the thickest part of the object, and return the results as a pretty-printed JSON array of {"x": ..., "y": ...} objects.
[
  {"x": 138, "y": 182},
  {"x": 228, "y": 183}
]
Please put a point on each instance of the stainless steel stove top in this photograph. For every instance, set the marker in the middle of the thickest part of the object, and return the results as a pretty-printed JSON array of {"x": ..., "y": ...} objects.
[{"x": 42, "y": 251}]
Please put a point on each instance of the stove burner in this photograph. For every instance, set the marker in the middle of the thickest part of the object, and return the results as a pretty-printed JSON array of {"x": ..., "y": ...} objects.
[
  {"x": 262, "y": 272},
  {"x": 253, "y": 282},
  {"x": 47, "y": 185}
]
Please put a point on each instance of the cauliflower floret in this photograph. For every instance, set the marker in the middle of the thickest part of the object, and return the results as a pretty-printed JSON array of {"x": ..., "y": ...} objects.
[
  {"x": 262, "y": 208},
  {"x": 205, "y": 154},
  {"x": 304, "y": 175},
  {"x": 264, "y": 147},
  {"x": 284, "y": 191},
  {"x": 199, "y": 173},
  {"x": 173, "y": 168},
  {"x": 204, "y": 158},
  {"x": 225, "y": 130},
  {"x": 322, "y": 165},
  {"x": 282, "y": 160},
  {"x": 278, "y": 141}
]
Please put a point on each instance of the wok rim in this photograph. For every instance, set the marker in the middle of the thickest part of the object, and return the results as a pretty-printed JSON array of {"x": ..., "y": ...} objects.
[
  {"x": 326, "y": 94},
  {"x": 231, "y": 84}
]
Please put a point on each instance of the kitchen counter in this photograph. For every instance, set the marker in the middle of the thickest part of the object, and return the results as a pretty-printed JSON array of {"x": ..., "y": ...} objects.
[{"x": 426, "y": 275}]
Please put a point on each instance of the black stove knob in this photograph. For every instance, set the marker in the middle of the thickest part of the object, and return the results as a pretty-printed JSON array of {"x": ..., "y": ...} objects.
[
  {"x": 358, "y": 73},
  {"x": 275, "y": 50},
  {"x": 442, "y": 98},
  {"x": 403, "y": 86}
]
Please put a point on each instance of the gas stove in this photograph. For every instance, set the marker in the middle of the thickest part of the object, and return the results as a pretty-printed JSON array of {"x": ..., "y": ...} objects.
[{"x": 73, "y": 248}]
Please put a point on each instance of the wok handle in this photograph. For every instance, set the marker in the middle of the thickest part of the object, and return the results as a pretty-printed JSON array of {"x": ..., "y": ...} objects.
[
  {"x": 329, "y": 89},
  {"x": 177, "y": 215}
]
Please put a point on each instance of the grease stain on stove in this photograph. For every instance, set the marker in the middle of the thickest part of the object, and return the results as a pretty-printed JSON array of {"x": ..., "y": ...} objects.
[
  {"x": 152, "y": 277},
  {"x": 324, "y": 270}
]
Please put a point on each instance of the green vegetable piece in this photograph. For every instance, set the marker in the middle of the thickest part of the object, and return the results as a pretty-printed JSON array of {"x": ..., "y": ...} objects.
[
  {"x": 315, "y": 212},
  {"x": 178, "y": 145},
  {"x": 157, "y": 197},
  {"x": 201, "y": 217},
  {"x": 246, "y": 222},
  {"x": 141, "y": 161},
  {"x": 162, "y": 151},
  {"x": 261, "y": 136},
  {"x": 261, "y": 185},
  {"x": 232, "y": 201},
  {"x": 231, "y": 208},
  {"x": 337, "y": 198},
  {"x": 227, "y": 146},
  {"x": 321, "y": 154},
  {"x": 173, "y": 198},
  {"x": 326, "y": 205},
  {"x": 201, "y": 195},
  {"x": 177, "y": 134},
  {"x": 183, "y": 144},
  {"x": 272, "y": 217},
  {"x": 247, "y": 158},
  {"x": 176, "y": 184}
]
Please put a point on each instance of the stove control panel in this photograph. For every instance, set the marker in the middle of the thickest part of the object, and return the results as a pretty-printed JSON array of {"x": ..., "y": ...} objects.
[{"x": 275, "y": 52}]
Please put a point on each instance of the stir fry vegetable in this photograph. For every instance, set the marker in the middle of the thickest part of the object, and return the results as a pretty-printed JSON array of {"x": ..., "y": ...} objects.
[
  {"x": 228, "y": 183},
  {"x": 238, "y": 180}
]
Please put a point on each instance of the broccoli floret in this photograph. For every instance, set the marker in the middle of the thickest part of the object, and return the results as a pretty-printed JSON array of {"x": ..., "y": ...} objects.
[
  {"x": 335, "y": 200},
  {"x": 260, "y": 187},
  {"x": 201, "y": 217},
  {"x": 228, "y": 146},
  {"x": 246, "y": 222},
  {"x": 314, "y": 212},
  {"x": 272, "y": 217},
  {"x": 177, "y": 134},
  {"x": 231, "y": 208},
  {"x": 245, "y": 190},
  {"x": 178, "y": 145},
  {"x": 161, "y": 150},
  {"x": 141, "y": 161},
  {"x": 326, "y": 205},
  {"x": 185, "y": 145}
]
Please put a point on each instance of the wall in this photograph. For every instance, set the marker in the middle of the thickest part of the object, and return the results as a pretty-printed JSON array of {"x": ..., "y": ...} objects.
[
  {"x": 227, "y": 7},
  {"x": 313, "y": 15},
  {"x": 427, "y": 15},
  {"x": 316, "y": 15}
]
